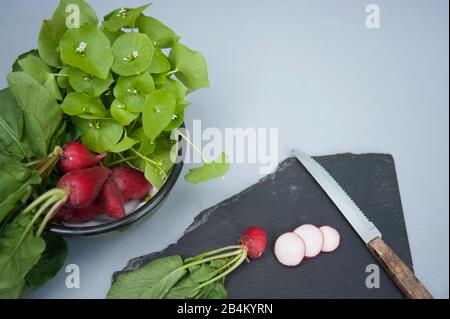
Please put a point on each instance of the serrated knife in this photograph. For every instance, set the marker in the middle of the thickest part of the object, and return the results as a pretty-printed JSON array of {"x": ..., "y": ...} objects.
[{"x": 403, "y": 277}]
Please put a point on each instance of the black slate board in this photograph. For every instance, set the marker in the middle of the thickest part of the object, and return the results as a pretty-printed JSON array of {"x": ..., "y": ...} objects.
[{"x": 288, "y": 198}]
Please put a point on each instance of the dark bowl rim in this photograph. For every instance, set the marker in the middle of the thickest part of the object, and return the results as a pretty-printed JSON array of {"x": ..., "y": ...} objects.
[{"x": 127, "y": 220}]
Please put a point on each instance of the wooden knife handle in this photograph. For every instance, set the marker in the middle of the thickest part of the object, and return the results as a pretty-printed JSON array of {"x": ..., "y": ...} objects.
[{"x": 403, "y": 277}]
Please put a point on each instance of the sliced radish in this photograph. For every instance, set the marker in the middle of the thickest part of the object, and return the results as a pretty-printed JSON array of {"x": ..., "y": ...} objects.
[
  {"x": 313, "y": 238},
  {"x": 290, "y": 249},
  {"x": 331, "y": 239}
]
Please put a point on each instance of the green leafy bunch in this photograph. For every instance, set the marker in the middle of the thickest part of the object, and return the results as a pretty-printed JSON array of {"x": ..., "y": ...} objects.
[{"x": 121, "y": 90}]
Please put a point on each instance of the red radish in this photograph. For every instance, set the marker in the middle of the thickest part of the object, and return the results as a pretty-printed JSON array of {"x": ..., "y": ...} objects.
[
  {"x": 112, "y": 200},
  {"x": 131, "y": 182},
  {"x": 290, "y": 249},
  {"x": 255, "y": 240},
  {"x": 331, "y": 239},
  {"x": 82, "y": 215},
  {"x": 83, "y": 185},
  {"x": 76, "y": 156},
  {"x": 313, "y": 238}
]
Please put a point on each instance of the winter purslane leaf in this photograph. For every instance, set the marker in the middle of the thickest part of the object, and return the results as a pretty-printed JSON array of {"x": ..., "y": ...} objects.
[
  {"x": 88, "y": 49},
  {"x": 132, "y": 90},
  {"x": 133, "y": 54},
  {"x": 190, "y": 66},
  {"x": 208, "y": 171},
  {"x": 84, "y": 106},
  {"x": 122, "y": 18},
  {"x": 159, "y": 108},
  {"x": 83, "y": 82},
  {"x": 161, "y": 35},
  {"x": 99, "y": 135}
]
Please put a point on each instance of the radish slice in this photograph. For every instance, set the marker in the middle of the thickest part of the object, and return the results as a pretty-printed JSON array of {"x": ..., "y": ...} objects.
[
  {"x": 331, "y": 239},
  {"x": 313, "y": 238},
  {"x": 290, "y": 249}
]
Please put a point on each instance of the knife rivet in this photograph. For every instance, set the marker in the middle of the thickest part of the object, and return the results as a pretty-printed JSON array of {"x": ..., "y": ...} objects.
[{"x": 398, "y": 269}]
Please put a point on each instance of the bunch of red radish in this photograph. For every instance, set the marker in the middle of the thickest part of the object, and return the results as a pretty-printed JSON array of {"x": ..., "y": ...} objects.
[
  {"x": 93, "y": 190},
  {"x": 305, "y": 242}
]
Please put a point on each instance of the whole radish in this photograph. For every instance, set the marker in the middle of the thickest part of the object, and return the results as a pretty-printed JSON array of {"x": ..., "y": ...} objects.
[
  {"x": 83, "y": 185},
  {"x": 131, "y": 182},
  {"x": 71, "y": 215},
  {"x": 112, "y": 200},
  {"x": 254, "y": 240},
  {"x": 76, "y": 156}
]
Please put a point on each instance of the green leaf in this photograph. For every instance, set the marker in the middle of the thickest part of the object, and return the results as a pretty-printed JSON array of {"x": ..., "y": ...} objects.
[
  {"x": 216, "y": 290},
  {"x": 14, "y": 292},
  {"x": 88, "y": 49},
  {"x": 125, "y": 144},
  {"x": 160, "y": 79},
  {"x": 84, "y": 82},
  {"x": 66, "y": 133},
  {"x": 152, "y": 281},
  {"x": 159, "y": 108},
  {"x": 209, "y": 171},
  {"x": 53, "y": 30},
  {"x": 83, "y": 105},
  {"x": 99, "y": 135},
  {"x": 122, "y": 18},
  {"x": 12, "y": 175},
  {"x": 190, "y": 66},
  {"x": 16, "y": 66},
  {"x": 153, "y": 175},
  {"x": 41, "y": 112},
  {"x": 63, "y": 79},
  {"x": 160, "y": 63},
  {"x": 176, "y": 122},
  {"x": 120, "y": 112},
  {"x": 132, "y": 90},
  {"x": 203, "y": 273},
  {"x": 18, "y": 256},
  {"x": 11, "y": 125},
  {"x": 38, "y": 70},
  {"x": 146, "y": 145},
  {"x": 112, "y": 36},
  {"x": 161, "y": 35},
  {"x": 184, "y": 289},
  {"x": 51, "y": 261},
  {"x": 133, "y": 54}
]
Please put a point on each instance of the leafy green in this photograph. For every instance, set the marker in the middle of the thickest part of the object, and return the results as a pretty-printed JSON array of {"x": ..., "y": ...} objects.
[
  {"x": 122, "y": 18},
  {"x": 153, "y": 280},
  {"x": 124, "y": 145},
  {"x": 190, "y": 67},
  {"x": 19, "y": 251},
  {"x": 159, "y": 108},
  {"x": 99, "y": 135},
  {"x": 120, "y": 112},
  {"x": 216, "y": 290},
  {"x": 41, "y": 112},
  {"x": 11, "y": 125},
  {"x": 84, "y": 106},
  {"x": 131, "y": 90},
  {"x": 84, "y": 82},
  {"x": 160, "y": 63},
  {"x": 209, "y": 171},
  {"x": 42, "y": 73},
  {"x": 14, "y": 292},
  {"x": 133, "y": 54},
  {"x": 51, "y": 261},
  {"x": 88, "y": 49},
  {"x": 161, "y": 35},
  {"x": 53, "y": 30}
]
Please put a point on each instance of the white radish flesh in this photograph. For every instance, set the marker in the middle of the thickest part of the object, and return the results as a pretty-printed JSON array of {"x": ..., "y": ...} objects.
[
  {"x": 290, "y": 249},
  {"x": 331, "y": 239},
  {"x": 313, "y": 238}
]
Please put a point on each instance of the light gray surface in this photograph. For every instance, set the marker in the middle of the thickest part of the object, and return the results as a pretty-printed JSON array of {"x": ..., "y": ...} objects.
[{"x": 312, "y": 69}]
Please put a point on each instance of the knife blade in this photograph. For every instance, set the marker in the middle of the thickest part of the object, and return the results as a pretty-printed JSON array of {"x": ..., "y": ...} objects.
[{"x": 403, "y": 277}]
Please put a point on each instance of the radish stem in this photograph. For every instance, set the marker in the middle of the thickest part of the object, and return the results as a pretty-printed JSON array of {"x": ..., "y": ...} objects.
[{"x": 51, "y": 213}]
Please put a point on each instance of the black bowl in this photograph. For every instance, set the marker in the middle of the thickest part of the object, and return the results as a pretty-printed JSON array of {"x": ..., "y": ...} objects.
[{"x": 147, "y": 210}]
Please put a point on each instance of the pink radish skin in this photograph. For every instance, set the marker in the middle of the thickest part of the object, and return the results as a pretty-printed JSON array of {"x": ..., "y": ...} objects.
[
  {"x": 313, "y": 238},
  {"x": 331, "y": 239},
  {"x": 290, "y": 249},
  {"x": 76, "y": 156},
  {"x": 131, "y": 182}
]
